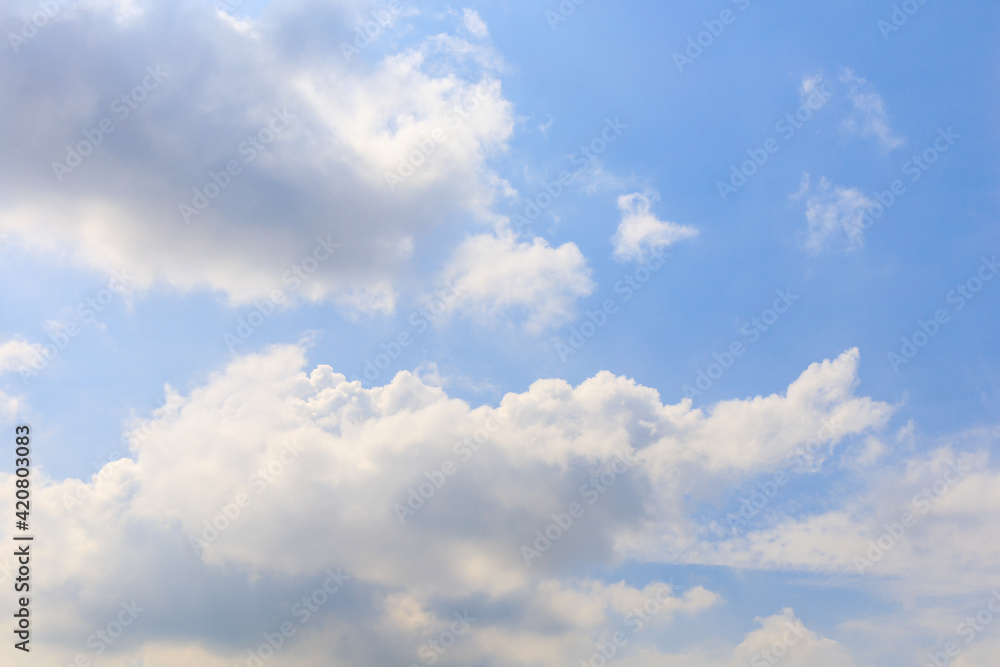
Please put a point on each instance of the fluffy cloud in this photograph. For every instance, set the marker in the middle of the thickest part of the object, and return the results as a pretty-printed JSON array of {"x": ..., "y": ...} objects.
[
  {"x": 369, "y": 153},
  {"x": 498, "y": 275},
  {"x": 246, "y": 493},
  {"x": 784, "y": 638},
  {"x": 640, "y": 232}
]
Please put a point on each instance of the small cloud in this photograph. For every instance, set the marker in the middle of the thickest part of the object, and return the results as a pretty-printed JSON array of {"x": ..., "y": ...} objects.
[
  {"x": 831, "y": 209},
  {"x": 640, "y": 232},
  {"x": 16, "y": 354},
  {"x": 811, "y": 85},
  {"x": 475, "y": 25},
  {"x": 496, "y": 277},
  {"x": 804, "y": 185},
  {"x": 429, "y": 373},
  {"x": 869, "y": 118},
  {"x": 367, "y": 299},
  {"x": 241, "y": 25}
]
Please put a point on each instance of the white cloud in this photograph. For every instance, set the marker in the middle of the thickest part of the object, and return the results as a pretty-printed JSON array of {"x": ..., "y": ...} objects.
[
  {"x": 784, "y": 638},
  {"x": 323, "y": 175},
  {"x": 475, "y": 24},
  {"x": 869, "y": 118},
  {"x": 496, "y": 275},
  {"x": 640, "y": 232},
  {"x": 834, "y": 214},
  {"x": 17, "y": 353},
  {"x": 322, "y": 464}
]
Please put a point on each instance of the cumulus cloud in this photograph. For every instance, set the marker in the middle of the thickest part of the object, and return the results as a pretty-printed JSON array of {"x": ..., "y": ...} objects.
[
  {"x": 835, "y": 215},
  {"x": 783, "y": 637},
  {"x": 869, "y": 118},
  {"x": 249, "y": 490},
  {"x": 311, "y": 141},
  {"x": 640, "y": 232},
  {"x": 497, "y": 275}
]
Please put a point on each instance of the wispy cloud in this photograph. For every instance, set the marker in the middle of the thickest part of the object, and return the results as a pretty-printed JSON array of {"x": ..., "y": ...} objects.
[
  {"x": 869, "y": 118},
  {"x": 833, "y": 214}
]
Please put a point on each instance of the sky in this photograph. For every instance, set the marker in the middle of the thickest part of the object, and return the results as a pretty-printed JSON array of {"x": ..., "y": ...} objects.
[{"x": 502, "y": 334}]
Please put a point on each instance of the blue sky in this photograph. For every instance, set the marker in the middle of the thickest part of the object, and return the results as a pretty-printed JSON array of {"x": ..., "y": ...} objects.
[{"x": 914, "y": 106}]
